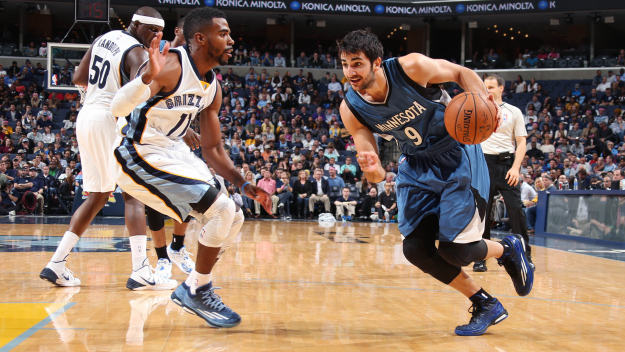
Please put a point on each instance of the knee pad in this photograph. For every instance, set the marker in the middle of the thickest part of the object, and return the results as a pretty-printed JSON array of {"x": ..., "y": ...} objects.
[
  {"x": 156, "y": 220},
  {"x": 237, "y": 223},
  {"x": 463, "y": 254},
  {"x": 420, "y": 250},
  {"x": 217, "y": 221}
]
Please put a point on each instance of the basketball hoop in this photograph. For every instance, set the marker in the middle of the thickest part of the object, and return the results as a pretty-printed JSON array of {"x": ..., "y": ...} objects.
[{"x": 82, "y": 93}]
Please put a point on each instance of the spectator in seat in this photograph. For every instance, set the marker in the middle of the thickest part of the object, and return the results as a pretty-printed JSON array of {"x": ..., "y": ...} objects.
[
  {"x": 302, "y": 190},
  {"x": 345, "y": 205},
  {"x": 554, "y": 54},
  {"x": 334, "y": 86},
  {"x": 320, "y": 188},
  {"x": 302, "y": 60},
  {"x": 518, "y": 86},
  {"x": 531, "y": 61},
  {"x": 267, "y": 60},
  {"x": 316, "y": 61},
  {"x": 601, "y": 87},
  {"x": 279, "y": 61},
  {"x": 285, "y": 195},
  {"x": 12, "y": 114},
  {"x": 388, "y": 203},
  {"x": 519, "y": 62}
]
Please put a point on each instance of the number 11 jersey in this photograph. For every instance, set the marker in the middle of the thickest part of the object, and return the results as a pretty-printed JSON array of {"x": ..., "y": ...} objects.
[{"x": 106, "y": 74}]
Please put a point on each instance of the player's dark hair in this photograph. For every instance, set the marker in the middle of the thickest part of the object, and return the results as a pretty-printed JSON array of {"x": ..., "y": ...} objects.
[
  {"x": 498, "y": 78},
  {"x": 199, "y": 18},
  {"x": 361, "y": 40},
  {"x": 180, "y": 22}
]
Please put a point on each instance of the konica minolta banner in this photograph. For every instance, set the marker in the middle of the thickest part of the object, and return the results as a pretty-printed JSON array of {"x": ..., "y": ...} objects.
[{"x": 440, "y": 8}]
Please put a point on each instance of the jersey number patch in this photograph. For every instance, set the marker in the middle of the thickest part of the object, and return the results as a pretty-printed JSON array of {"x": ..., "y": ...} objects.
[
  {"x": 413, "y": 135},
  {"x": 100, "y": 72}
]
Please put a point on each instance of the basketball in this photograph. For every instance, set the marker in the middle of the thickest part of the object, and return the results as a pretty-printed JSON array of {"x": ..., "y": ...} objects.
[{"x": 470, "y": 118}]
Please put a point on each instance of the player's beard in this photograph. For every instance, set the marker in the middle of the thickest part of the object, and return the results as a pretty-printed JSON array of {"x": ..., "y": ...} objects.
[
  {"x": 218, "y": 56},
  {"x": 368, "y": 81}
]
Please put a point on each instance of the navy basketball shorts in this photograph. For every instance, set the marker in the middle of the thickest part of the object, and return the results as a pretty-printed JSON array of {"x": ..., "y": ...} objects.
[{"x": 450, "y": 181}]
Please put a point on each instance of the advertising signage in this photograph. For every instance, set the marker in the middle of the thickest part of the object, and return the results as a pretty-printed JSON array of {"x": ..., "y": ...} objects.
[
  {"x": 441, "y": 8},
  {"x": 406, "y": 9}
]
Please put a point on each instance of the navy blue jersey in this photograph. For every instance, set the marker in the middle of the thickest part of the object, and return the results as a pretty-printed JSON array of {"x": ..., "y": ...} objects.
[{"x": 411, "y": 114}]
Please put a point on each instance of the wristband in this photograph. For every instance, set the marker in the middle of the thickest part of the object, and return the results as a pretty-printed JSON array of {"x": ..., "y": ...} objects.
[{"x": 246, "y": 183}]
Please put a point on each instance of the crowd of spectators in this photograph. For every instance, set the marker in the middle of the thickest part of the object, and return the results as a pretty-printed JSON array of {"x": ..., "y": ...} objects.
[
  {"x": 38, "y": 146},
  {"x": 284, "y": 133},
  {"x": 545, "y": 57},
  {"x": 575, "y": 134}
]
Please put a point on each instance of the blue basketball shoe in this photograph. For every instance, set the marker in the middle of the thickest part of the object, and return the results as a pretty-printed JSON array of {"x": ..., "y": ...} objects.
[
  {"x": 207, "y": 305},
  {"x": 517, "y": 265},
  {"x": 484, "y": 314}
]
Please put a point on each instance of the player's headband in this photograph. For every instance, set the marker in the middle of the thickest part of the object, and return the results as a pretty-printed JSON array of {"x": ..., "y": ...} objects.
[{"x": 148, "y": 20}]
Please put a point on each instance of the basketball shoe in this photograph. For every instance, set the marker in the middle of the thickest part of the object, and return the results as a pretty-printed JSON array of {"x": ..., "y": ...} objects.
[
  {"x": 480, "y": 266},
  {"x": 207, "y": 305},
  {"x": 182, "y": 259},
  {"x": 517, "y": 266},
  {"x": 59, "y": 275},
  {"x": 483, "y": 314},
  {"x": 163, "y": 268},
  {"x": 145, "y": 279}
]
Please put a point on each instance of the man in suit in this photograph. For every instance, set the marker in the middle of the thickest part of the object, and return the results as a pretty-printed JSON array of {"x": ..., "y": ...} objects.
[{"x": 320, "y": 193}]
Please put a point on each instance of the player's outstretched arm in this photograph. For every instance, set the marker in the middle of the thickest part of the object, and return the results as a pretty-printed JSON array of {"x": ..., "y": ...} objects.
[
  {"x": 215, "y": 154},
  {"x": 365, "y": 146},
  {"x": 424, "y": 70},
  {"x": 137, "y": 91}
]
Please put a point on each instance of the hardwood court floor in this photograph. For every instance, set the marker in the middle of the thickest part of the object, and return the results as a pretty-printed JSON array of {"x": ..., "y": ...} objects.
[{"x": 299, "y": 287}]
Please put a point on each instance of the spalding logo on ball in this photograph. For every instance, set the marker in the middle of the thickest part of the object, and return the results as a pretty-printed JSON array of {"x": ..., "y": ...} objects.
[{"x": 470, "y": 117}]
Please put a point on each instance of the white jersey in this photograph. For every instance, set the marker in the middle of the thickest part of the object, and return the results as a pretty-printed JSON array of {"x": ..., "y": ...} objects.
[
  {"x": 165, "y": 117},
  {"x": 512, "y": 126},
  {"x": 106, "y": 74}
]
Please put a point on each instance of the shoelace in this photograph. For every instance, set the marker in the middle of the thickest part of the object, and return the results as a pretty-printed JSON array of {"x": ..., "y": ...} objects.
[
  {"x": 185, "y": 254},
  {"x": 69, "y": 273},
  {"x": 475, "y": 309},
  {"x": 211, "y": 299},
  {"x": 157, "y": 279}
]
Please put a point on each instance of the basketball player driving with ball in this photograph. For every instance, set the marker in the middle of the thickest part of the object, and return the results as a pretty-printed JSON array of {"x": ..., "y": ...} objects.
[{"x": 442, "y": 184}]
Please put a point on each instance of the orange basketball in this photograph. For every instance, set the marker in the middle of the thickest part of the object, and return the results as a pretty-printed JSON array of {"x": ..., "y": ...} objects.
[{"x": 470, "y": 118}]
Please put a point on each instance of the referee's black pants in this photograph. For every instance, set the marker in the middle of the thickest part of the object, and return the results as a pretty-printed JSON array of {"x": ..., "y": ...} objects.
[{"x": 511, "y": 195}]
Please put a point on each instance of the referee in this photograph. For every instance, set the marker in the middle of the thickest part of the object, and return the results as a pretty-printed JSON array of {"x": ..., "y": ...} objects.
[{"x": 504, "y": 164}]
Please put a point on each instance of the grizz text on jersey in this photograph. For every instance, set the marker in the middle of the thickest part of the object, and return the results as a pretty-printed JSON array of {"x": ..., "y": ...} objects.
[{"x": 184, "y": 100}]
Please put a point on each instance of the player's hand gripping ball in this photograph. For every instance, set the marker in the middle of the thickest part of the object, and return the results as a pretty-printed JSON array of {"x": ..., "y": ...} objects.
[{"x": 470, "y": 118}]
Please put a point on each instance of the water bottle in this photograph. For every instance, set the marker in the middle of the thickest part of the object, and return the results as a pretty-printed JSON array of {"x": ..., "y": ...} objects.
[{"x": 575, "y": 184}]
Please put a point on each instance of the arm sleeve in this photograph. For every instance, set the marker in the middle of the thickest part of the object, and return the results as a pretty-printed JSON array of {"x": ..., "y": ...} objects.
[{"x": 129, "y": 97}]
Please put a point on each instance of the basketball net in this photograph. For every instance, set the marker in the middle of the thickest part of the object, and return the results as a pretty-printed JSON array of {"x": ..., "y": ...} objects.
[{"x": 82, "y": 93}]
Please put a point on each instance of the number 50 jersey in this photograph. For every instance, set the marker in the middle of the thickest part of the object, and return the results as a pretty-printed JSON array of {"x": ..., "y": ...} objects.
[
  {"x": 106, "y": 73},
  {"x": 164, "y": 119}
]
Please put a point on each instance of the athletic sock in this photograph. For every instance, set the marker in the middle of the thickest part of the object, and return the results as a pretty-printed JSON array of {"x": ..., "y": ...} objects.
[
  {"x": 161, "y": 252},
  {"x": 137, "y": 247},
  {"x": 62, "y": 251},
  {"x": 196, "y": 280},
  {"x": 177, "y": 243},
  {"x": 481, "y": 295},
  {"x": 506, "y": 248}
]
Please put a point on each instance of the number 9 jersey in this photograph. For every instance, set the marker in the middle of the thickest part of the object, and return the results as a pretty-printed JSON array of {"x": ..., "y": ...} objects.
[{"x": 106, "y": 74}]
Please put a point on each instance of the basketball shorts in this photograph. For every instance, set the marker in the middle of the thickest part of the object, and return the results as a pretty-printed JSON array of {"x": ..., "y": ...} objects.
[
  {"x": 95, "y": 133},
  {"x": 167, "y": 179},
  {"x": 452, "y": 182}
]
